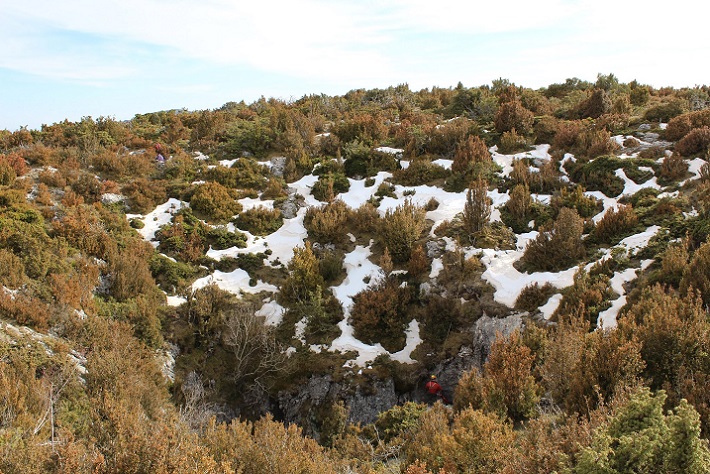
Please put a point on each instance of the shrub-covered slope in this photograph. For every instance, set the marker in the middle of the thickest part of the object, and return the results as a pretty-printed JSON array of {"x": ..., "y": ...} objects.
[{"x": 360, "y": 238}]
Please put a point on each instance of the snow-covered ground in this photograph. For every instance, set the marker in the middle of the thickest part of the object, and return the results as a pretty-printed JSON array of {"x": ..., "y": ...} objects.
[{"x": 361, "y": 272}]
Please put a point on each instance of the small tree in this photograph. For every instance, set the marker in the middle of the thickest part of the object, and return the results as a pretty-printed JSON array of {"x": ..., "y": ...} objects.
[
  {"x": 400, "y": 229},
  {"x": 470, "y": 151},
  {"x": 304, "y": 280},
  {"x": 559, "y": 247},
  {"x": 477, "y": 209}
]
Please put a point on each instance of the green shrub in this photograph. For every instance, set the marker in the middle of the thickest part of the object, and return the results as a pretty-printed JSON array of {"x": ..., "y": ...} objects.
[
  {"x": 331, "y": 266},
  {"x": 598, "y": 174},
  {"x": 327, "y": 223},
  {"x": 615, "y": 225},
  {"x": 557, "y": 248},
  {"x": 170, "y": 275},
  {"x": 587, "y": 297},
  {"x": 400, "y": 228},
  {"x": 533, "y": 296},
  {"x": 545, "y": 129},
  {"x": 586, "y": 206},
  {"x": 215, "y": 202},
  {"x": 259, "y": 220},
  {"x": 419, "y": 172},
  {"x": 251, "y": 262},
  {"x": 245, "y": 173},
  {"x": 386, "y": 189},
  {"x": 220, "y": 238},
  {"x": 665, "y": 111},
  {"x": 399, "y": 421},
  {"x": 329, "y": 186},
  {"x": 512, "y": 142}
]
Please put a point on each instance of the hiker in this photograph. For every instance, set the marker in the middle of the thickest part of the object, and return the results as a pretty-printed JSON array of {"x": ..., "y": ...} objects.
[
  {"x": 159, "y": 158},
  {"x": 433, "y": 388}
]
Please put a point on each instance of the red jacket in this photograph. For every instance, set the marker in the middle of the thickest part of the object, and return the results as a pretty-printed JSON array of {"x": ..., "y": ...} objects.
[{"x": 433, "y": 387}]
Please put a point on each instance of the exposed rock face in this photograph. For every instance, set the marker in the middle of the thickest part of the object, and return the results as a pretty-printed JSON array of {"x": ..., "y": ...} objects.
[
  {"x": 289, "y": 207},
  {"x": 321, "y": 392},
  {"x": 485, "y": 331},
  {"x": 278, "y": 163},
  {"x": 315, "y": 398}
]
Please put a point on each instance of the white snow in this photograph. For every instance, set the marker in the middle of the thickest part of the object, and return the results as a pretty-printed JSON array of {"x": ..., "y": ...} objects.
[
  {"x": 444, "y": 163},
  {"x": 361, "y": 273},
  {"x": 228, "y": 163},
  {"x": 176, "y": 300},
  {"x": 157, "y": 218},
  {"x": 549, "y": 308},
  {"x": 607, "y": 318},
  {"x": 509, "y": 282},
  {"x": 390, "y": 150},
  {"x": 272, "y": 312},
  {"x": 630, "y": 187},
  {"x": 234, "y": 282},
  {"x": 200, "y": 156}
]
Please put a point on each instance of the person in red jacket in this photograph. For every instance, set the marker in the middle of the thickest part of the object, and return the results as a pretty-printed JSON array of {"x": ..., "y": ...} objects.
[{"x": 433, "y": 388}]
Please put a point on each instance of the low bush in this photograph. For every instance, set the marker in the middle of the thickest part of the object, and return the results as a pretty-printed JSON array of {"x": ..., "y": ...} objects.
[
  {"x": 598, "y": 174},
  {"x": 533, "y": 296},
  {"x": 215, "y": 202},
  {"x": 673, "y": 169},
  {"x": 615, "y": 225},
  {"x": 665, "y": 111},
  {"x": 586, "y": 206},
  {"x": 220, "y": 238},
  {"x": 419, "y": 172},
  {"x": 696, "y": 141},
  {"x": 259, "y": 220},
  {"x": 400, "y": 228},
  {"x": 380, "y": 314},
  {"x": 327, "y": 223},
  {"x": 681, "y": 125},
  {"x": 556, "y": 248},
  {"x": 329, "y": 186}
]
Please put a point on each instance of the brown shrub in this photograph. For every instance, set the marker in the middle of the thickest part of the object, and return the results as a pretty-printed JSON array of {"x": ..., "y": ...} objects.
[
  {"x": 16, "y": 162},
  {"x": 326, "y": 223},
  {"x": 380, "y": 314},
  {"x": 673, "y": 168},
  {"x": 513, "y": 116},
  {"x": 12, "y": 270},
  {"x": 545, "y": 129},
  {"x": 143, "y": 194},
  {"x": 533, "y": 296},
  {"x": 615, "y": 224},
  {"x": 25, "y": 310},
  {"x": 696, "y": 141},
  {"x": 512, "y": 142},
  {"x": 52, "y": 178},
  {"x": 593, "y": 143},
  {"x": 631, "y": 142},
  {"x": 472, "y": 150},
  {"x": 653, "y": 152},
  {"x": 680, "y": 126},
  {"x": 613, "y": 122},
  {"x": 216, "y": 202},
  {"x": 566, "y": 136},
  {"x": 598, "y": 104}
]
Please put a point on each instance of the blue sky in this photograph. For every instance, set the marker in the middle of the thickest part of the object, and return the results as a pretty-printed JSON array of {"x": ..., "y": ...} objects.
[{"x": 76, "y": 58}]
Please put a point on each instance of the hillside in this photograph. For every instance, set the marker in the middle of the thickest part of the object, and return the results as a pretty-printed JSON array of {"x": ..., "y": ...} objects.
[{"x": 267, "y": 287}]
